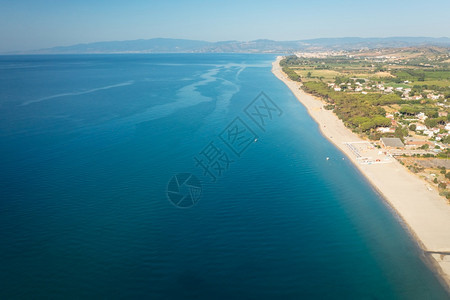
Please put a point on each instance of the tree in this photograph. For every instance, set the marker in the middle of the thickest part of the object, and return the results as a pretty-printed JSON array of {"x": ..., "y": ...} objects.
[
  {"x": 308, "y": 75},
  {"x": 367, "y": 125},
  {"x": 412, "y": 127},
  {"x": 381, "y": 121},
  {"x": 291, "y": 74},
  {"x": 400, "y": 132},
  {"x": 431, "y": 122}
]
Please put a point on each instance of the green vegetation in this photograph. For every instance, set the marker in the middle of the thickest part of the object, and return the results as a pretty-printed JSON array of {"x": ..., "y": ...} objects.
[
  {"x": 444, "y": 154},
  {"x": 432, "y": 122},
  {"x": 406, "y": 91},
  {"x": 359, "y": 112},
  {"x": 291, "y": 74}
]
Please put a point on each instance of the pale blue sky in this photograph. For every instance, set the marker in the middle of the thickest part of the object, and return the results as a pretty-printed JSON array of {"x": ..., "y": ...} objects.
[{"x": 33, "y": 24}]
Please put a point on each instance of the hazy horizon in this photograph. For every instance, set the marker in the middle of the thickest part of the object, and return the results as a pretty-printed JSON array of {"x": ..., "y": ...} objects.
[
  {"x": 218, "y": 41},
  {"x": 28, "y": 25}
]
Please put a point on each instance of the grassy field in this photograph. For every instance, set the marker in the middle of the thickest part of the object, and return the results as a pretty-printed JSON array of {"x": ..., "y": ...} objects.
[
  {"x": 396, "y": 85},
  {"x": 441, "y": 83},
  {"x": 421, "y": 66},
  {"x": 327, "y": 75},
  {"x": 330, "y": 75},
  {"x": 437, "y": 78}
]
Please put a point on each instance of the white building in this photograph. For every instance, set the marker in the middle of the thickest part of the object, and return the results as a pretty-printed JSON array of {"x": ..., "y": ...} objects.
[
  {"x": 421, "y": 127},
  {"x": 385, "y": 130},
  {"x": 421, "y": 116},
  {"x": 433, "y": 97},
  {"x": 429, "y": 133},
  {"x": 447, "y": 126}
]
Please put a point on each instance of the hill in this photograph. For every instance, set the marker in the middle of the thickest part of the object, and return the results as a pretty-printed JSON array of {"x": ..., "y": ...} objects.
[{"x": 164, "y": 45}]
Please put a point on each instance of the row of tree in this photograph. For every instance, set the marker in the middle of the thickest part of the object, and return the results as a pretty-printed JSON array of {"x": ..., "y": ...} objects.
[
  {"x": 433, "y": 122},
  {"x": 360, "y": 112},
  {"x": 291, "y": 74}
]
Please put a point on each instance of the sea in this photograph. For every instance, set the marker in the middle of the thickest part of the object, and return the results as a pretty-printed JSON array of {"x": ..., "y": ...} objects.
[{"x": 184, "y": 176}]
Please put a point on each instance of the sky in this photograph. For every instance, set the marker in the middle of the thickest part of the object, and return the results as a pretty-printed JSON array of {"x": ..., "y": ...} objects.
[{"x": 36, "y": 24}]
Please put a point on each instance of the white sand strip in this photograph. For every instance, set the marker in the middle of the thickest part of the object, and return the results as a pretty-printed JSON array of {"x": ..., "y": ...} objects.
[{"x": 424, "y": 211}]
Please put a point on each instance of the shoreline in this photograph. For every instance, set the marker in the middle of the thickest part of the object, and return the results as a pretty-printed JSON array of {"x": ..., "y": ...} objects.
[{"x": 423, "y": 211}]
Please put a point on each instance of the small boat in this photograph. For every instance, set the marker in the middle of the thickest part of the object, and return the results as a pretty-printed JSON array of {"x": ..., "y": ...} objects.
[{"x": 328, "y": 158}]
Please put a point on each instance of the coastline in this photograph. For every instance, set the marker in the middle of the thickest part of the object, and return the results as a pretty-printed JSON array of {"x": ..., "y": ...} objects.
[{"x": 422, "y": 210}]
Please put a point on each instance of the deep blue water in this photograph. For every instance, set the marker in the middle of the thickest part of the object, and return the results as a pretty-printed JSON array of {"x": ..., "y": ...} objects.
[{"x": 88, "y": 145}]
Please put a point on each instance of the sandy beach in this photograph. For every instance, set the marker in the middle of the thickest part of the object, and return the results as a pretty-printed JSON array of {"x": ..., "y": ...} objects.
[{"x": 423, "y": 210}]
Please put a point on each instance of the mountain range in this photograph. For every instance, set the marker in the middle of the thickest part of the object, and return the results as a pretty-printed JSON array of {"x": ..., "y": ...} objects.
[{"x": 166, "y": 45}]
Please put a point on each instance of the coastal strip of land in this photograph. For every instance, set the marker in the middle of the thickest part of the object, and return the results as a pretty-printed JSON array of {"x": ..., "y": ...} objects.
[{"x": 421, "y": 207}]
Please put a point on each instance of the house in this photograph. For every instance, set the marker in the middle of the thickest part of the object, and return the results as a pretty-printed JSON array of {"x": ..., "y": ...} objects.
[
  {"x": 421, "y": 116},
  {"x": 392, "y": 142},
  {"x": 433, "y": 97},
  {"x": 421, "y": 127},
  {"x": 337, "y": 89},
  {"x": 406, "y": 92},
  {"x": 431, "y": 132},
  {"x": 385, "y": 130}
]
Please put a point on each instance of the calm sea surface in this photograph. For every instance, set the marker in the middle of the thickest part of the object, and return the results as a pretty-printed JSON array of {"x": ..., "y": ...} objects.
[{"x": 89, "y": 143}]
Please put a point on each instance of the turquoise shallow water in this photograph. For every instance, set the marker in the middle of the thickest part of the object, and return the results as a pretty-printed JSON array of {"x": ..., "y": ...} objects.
[{"x": 89, "y": 144}]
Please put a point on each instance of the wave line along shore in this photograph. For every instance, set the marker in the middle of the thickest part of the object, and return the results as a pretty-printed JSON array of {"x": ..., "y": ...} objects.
[{"x": 423, "y": 210}]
